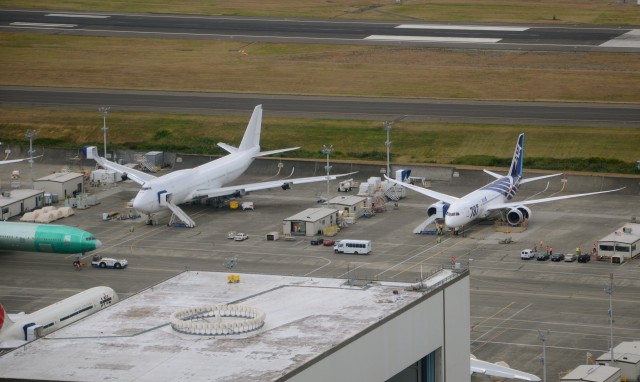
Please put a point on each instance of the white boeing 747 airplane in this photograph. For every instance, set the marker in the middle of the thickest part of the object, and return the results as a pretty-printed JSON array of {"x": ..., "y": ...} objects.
[
  {"x": 494, "y": 196},
  {"x": 204, "y": 181}
]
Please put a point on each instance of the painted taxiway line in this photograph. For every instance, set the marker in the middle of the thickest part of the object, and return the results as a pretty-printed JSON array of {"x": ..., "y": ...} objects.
[
  {"x": 473, "y": 40},
  {"x": 22, "y": 24},
  {"x": 463, "y": 27}
]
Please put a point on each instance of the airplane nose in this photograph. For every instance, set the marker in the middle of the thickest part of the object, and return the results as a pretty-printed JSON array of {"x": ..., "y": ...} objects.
[{"x": 98, "y": 243}]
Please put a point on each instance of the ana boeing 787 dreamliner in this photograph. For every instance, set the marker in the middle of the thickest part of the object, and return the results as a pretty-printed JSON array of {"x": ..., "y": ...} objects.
[
  {"x": 205, "y": 181},
  {"x": 459, "y": 212}
]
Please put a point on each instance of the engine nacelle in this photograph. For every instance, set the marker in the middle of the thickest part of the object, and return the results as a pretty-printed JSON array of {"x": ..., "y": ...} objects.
[
  {"x": 439, "y": 209},
  {"x": 517, "y": 215}
]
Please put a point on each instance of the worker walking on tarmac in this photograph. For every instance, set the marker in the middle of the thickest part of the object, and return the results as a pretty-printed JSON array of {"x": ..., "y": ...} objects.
[{"x": 577, "y": 250}]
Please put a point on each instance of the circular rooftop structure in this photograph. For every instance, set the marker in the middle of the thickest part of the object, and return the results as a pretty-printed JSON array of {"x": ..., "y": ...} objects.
[{"x": 216, "y": 320}]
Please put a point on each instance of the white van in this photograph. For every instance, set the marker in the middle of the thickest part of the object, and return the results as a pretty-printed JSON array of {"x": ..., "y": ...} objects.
[
  {"x": 357, "y": 247},
  {"x": 527, "y": 254}
]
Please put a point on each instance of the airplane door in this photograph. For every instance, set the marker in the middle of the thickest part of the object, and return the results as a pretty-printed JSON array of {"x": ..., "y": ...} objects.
[
  {"x": 164, "y": 197},
  {"x": 67, "y": 239}
]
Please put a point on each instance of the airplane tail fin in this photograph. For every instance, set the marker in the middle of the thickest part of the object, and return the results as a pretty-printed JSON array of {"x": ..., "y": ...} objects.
[
  {"x": 251, "y": 136},
  {"x": 518, "y": 157},
  {"x": 5, "y": 321}
]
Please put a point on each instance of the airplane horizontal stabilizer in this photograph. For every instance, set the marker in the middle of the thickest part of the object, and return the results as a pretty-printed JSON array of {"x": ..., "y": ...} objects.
[
  {"x": 265, "y": 153},
  {"x": 432, "y": 194},
  {"x": 536, "y": 201},
  {"x": 488, "y": 368},
  {"x": 523, "y": 181},
  {"x": 493, "y": 174},
  {"x": 228, "y": 148},
  {"x": 250, "y": 187},
  {"x": 91, "y": 152}
]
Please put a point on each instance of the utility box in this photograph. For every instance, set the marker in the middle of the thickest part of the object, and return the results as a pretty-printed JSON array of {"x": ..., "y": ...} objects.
[{"x": 272, "y": 236}]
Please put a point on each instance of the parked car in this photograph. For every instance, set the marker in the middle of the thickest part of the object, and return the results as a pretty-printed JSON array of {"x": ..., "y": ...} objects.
[
  {"x": 527, "y": 254},
  {"x": 584, "y": 258},
  {"x": 241, "y": 236},
  {"x": 317, "y": 240},
  {"x": 557, "y": 257},
  {"x": 543, "y": 257},
  {"x": 569, "y": 257},
  {"x": 328, "y": 242},
  {"x": 108, "y": 262}
]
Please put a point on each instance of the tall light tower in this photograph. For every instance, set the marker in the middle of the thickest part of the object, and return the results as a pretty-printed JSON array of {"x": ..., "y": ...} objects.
[
  {"x": 608, "y": 289},
  {"x": 388, "y": 125},
  {"x": 327, "y": 150},
  {"x": 31, "y": 135},
  {"x": 104, "y": 110},
  {"x": 542, "y": 336}
]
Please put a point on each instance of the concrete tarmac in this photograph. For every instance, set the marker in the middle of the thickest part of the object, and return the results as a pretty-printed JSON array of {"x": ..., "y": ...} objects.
[{"x": 511, "y": 299}]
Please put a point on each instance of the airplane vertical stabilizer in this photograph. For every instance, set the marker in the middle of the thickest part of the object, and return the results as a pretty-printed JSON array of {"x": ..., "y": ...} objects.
[
  {"x": 251, "y": 137},
  {"x": 518, "y": 157},
  {"x": 5, "y": 321}
]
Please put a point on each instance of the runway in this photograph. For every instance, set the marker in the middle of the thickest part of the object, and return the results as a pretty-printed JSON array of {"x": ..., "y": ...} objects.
[
  {"x": 521, "y": 37},
  {"x": 357, "y": 108}
]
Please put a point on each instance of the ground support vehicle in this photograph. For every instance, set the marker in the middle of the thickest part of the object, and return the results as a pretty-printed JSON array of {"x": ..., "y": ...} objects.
[{"x": 108, "y": 262}]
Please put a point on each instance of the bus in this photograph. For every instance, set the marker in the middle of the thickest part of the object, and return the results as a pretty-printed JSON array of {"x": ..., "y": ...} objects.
[{"x": 357, "y": 247}]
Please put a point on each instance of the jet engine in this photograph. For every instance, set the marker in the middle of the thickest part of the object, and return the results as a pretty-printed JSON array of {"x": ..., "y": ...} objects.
[
  {"x": 439, "y": 209},
  {"x": 517, "y": 215}
]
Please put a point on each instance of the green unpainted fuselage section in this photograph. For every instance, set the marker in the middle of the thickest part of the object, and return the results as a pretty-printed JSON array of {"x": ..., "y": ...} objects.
[{"x": 45, "y": 238}]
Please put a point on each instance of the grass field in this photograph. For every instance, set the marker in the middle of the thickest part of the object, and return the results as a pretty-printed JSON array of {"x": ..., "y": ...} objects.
[
  {"x": 595, "y": 12},
  {"x": 469, "y": 144},
  {"x": 388, "y": 71}
]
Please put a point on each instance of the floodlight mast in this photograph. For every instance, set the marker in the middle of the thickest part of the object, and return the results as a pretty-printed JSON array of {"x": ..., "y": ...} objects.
[
  {"x": 388, "y": 125},
  {"x": 104, "y": 110},
  {"x": 31, "y": 135},
  {"x": 327, "y": 150},
  {"x": 542, "y": 336},
  {"x": 608, "y": 289}
]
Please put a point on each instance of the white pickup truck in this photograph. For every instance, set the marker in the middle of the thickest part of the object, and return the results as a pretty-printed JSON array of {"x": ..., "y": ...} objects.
[{"x": 108, "y": 262}]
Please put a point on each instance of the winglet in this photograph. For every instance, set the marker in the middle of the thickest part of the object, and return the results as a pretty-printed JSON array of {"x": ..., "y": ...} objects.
[
  {"x": 518, "y": 156},
  {"x": 251, "y": 136}
]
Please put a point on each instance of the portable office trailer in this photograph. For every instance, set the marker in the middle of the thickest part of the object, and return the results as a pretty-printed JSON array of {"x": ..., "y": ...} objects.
[
  {"x": 627, "y": 357},
  {"x": 593, "y": 373},
  {"x": 310, "y": 222},
  {"x": 622, "y": 244},
  {"x": 352, "y": 205},
  {"x": 60, "y": 183},
  {"x": 17, "y": 202}
]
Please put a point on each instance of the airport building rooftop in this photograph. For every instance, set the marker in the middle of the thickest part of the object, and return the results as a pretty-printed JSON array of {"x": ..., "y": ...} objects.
[{"x": 305, "y": 322}]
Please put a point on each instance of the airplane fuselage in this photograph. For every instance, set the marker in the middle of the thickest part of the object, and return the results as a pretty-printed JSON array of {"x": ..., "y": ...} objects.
[
  {"x": 180, "y": 185},
  {"x": 479, "y": 203},
  {"x": 31, "y": 237},
  {"x": 60, "y": 314}
]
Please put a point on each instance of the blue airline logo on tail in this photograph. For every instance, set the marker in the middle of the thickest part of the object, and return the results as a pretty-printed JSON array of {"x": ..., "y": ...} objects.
[{"x": 516, "y": 164}]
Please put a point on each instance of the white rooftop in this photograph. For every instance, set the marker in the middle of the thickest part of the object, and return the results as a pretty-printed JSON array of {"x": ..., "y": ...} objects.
[
  {"x": 623, "y": 237},
  {"x": 628, "y": 352},
  {"x": 312, "y": 214},
  {"x": 60, "y": 177},
  {"x": 133, "y": 341},
  {"x": 591, "y": 373},
  {"x": 12, "y": 196},
  {"x": 347, "y": 200}
]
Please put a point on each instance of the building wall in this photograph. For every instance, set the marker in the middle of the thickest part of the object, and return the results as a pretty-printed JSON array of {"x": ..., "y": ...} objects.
[
  {"x": 20, "y": 206},
  {"x": 62, "y": 189},
  {"x": 403, "y": 340}
]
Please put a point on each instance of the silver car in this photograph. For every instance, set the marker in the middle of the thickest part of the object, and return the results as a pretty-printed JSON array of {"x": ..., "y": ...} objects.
[{"x": 569, "y": 257}]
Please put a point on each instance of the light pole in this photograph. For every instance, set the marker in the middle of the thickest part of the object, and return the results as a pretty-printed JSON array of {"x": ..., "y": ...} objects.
[
  {"x": 327, "y": 150},
  {"x": 31, "y": 135},
  {"x": 104, "y": 110},
  {"x": 542, "y": 336},
  {"x": 388, "y": 125},
  {"x": 608, "y": 289}
]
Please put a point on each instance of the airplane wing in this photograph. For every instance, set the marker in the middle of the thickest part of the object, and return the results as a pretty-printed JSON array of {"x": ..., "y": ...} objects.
[
  {"x": 536, "y": 201},
  {"x": 488, "y": 368},
  {"x": 16, "y": 160},
  {"x": 135, "y": 175},
  {"x": 244, "y": 188},
  {"x": 432, "y": 194}
]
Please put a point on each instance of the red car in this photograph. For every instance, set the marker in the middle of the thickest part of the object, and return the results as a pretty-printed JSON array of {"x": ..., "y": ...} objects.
[{"x": 328, "y": 242}]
